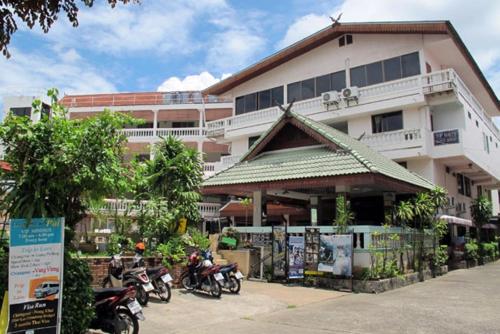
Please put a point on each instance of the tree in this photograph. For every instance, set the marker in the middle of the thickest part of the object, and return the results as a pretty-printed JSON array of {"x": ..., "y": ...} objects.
[
  {"x": 57, "y": 164},
  {"x": 343, "y": 215},
  {"x": 39, "y": 12},
  {"x": 481, "y": 213}
]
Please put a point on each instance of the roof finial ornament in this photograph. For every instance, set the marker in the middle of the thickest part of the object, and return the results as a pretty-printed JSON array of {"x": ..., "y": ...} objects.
[
  {"x": 288, "y": 110},
  {"x": 336, "y": 21}
]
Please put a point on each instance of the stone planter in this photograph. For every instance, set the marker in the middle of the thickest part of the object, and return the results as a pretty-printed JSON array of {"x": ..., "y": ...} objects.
[
  {"x": 438, "y": 271},
  {"x": 176, "y": 272},
  {"x": 471, "y": 263}
]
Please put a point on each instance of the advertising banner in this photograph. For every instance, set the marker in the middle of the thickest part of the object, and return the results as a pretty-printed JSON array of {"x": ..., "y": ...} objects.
[
  {"x": 295, "y": 257},
  {"x": 311, "y": 249},
  {"x": 36, "y": 259},
  {"x": 278, "y": 251},
  {"x": 335, "y": 254}
]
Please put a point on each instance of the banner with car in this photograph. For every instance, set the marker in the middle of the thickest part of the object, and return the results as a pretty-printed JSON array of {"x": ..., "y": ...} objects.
[{"x": 36, "y": 261}]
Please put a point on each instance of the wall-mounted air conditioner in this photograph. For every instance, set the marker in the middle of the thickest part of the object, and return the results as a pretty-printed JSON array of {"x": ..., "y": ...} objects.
[
  {"x": 330, "y": 98},
  {"x": 350, "y": 93}
]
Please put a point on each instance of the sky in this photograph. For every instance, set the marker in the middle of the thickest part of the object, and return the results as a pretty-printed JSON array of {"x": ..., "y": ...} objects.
[{"x": 182, "y": 45}]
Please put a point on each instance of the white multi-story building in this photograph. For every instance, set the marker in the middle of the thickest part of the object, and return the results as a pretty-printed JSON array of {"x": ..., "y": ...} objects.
[{"x": 411, "y": 90}]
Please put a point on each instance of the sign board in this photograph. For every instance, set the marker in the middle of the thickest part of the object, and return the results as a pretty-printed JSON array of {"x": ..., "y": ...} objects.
[
  {"x": 296, "y": 257},
  {"x": 446, "y": 137},
  {"x": 311, "y": 248},
  {"x": 335, "y": 254},
  {"x": 278, "y": 251},
  {"x": 36, "y": 260},
  {"x": 261, "y": 239}
]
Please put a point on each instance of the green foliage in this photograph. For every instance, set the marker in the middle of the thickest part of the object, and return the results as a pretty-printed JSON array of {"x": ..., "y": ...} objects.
[
  {"x": 481, "y": 210},
  {"x": 117, "y": 243},
  {"x": 489, "y": 249},
  {"x": 230, "y": 233},
  {"x": 173, "y": 251},
  {"x": 383, "y": 264},
  {"x": 440, "y": 257},
  {"x": 472, "y": 250},
  {"x": 195, "y": 238},
  {"x": 78, "y": 296},
  {"x": 439, "y": 228},
  {"x": 343, "y": 216}
]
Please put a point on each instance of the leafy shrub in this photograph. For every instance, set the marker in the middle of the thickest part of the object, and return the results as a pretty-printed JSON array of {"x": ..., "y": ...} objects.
[
  {"x": 489, "y": 249},
  {"x": 441, "y": 256},
  {"x": 117, "y": 243},
  {"x": 195, "y": 238},
  {"x": 78, "y": 297},
  {"x": 173, "y": 251},
  {"x": 472, "y": 250},
  {"x": 382, "y": 267}
]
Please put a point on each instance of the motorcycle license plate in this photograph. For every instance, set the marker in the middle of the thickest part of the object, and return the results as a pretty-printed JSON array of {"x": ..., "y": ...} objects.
[
  {"x": 219, "y": 277},
  {"x": 166, "y": 278},
  {"x": 148, "y": 287},
  {"x": 238, "y": 275},
  {"x": 134, "y": 307}
]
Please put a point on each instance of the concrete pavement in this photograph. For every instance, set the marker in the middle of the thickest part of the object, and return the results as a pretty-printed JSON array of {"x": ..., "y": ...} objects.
[{"x": 463, "y": 301}]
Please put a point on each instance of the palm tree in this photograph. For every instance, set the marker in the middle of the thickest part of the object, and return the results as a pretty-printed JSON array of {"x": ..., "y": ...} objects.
[{"x": 404, "y": 214}]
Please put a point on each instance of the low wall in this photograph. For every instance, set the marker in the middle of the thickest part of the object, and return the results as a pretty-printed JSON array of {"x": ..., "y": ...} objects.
[{"x": 244, "y": 257}]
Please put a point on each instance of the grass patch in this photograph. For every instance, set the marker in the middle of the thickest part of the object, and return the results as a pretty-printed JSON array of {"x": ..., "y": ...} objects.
[
  {"x": 247, "y": 318},
  {"x": 291, "y": 306}
]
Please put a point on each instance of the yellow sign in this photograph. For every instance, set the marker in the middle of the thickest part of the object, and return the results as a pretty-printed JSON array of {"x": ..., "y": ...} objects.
[
  {"x": 4, "y": 314},
  {"x": 182, "y": 225}
]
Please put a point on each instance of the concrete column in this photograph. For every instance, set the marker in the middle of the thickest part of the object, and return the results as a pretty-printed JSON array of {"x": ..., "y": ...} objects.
[
  {"x": 155, "y": 119},
  {"x": 348, "y": 72},
  {"x": 259, "y": 208},
  {"x": 314, "y": 201}
]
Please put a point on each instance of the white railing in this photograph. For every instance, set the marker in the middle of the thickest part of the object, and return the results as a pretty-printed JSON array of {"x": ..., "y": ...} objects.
[
  {"x": 207, "y": 210},
  {"x": 230, "y": 160},
  {"x": 438, "y": 81},
  {"x": 163, "y": 132},
  {"x": 394, "y": 139}
]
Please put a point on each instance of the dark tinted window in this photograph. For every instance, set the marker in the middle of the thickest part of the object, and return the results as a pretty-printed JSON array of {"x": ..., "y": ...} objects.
[
  {"x": 410, "y": 64},
  {"x": 252, "y": 140},
  {"x": 264, "y": 99},
  {"x": 342, "y": 41},
  {"x": 307, "y": 89},
  {"x": 460, "y": 183},
  {"x": 323, "y": 84},
  {"x": 277, "y": 95},
  {"x": 374, "y": 73},
  {"x": 240, "y": 105},
  {"x": 358, "y": 76},
  {"x": 250, "y": 102},
  {"x": 387, "y": 122},
  {"x": 21, "y": 111},
  {"x": 392, "y": 69},
  {"x": 338, "y": 80},
  {"x": 293, "y": 92},
  {"x": 348, "y": 39}
]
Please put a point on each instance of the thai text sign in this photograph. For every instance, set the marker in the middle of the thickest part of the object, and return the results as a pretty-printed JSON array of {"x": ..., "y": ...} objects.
[
  {"x": 446, "y": 137},
  {"x": 295, "y": 257},
  {"x": 35, "y": 275},
  {"x": 335, "y": 254}
]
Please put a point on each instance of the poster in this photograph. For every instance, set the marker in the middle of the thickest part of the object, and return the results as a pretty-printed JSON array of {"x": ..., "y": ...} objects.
[
  {"x": 35, "y": 275},
  {"x": 278, "y": 251},
  {"x": 335, "y": 254},
  {"x": 311, "y": 248},
  {"x": 295, "y": 257}
]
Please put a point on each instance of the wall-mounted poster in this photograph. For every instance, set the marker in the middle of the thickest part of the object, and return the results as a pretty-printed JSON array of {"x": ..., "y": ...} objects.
[
  {"x": 335, "y": 254},
  {"x": 295, "y": 257},
  {"x": 279, "y": 250},
  {"x": 311, "y": 248},
  {"x": 35, "y": 275}
]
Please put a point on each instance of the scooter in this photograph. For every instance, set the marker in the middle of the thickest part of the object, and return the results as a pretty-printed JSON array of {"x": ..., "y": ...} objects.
[
  {"x": 203, "y": 276},
  {"x": 232, "y": 276},
  {"x": 159, "y": 277},
  {"x": 116, "y": 311},
  {"x": 118, "y": 276}
]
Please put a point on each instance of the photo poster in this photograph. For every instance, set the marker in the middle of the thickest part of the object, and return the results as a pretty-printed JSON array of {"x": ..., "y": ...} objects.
[
  {"x": 279, "y": 251},
  {"x": 295, "y": 257},
  {"x": 335, "y": 254},
  {"x": 36, "y": 261},
  {"x": 311, "y": 242}
]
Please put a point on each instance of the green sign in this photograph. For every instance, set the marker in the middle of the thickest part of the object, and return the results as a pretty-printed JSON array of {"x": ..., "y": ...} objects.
[{"x": 229, "y": 241}]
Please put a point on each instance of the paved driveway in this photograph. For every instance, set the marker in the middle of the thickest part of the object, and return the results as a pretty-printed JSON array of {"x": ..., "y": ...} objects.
[{"x": 463, "y": 301}]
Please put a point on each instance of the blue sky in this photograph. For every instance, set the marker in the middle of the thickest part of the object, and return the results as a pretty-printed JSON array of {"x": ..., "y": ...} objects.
[{"x": 157, "y": 44}]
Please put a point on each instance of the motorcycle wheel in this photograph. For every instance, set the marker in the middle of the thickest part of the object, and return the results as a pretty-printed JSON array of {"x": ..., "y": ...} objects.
[
  {"x": 163, "y": 291},
  {"x": 216, "y": 289},
  {"x": 131, "y": 321},
  {"x": 141, "y": 295},
  {"x": 234, "y": 284},
  {"x": 186, "y": 283}
]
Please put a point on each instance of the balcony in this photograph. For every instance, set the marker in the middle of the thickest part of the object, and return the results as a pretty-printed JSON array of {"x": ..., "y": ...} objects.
[
  {"x": 207, "y": 210},
  {"x": 149, "y": 134},
  {"x": 394, "y": 143},
  {"x": 387, "y": 95}
]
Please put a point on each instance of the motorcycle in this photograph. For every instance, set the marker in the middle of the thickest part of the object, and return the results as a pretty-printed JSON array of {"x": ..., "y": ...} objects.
[
  {"x": 203, "y": 276},
  {"x": 232, "y": 276},
  {"x": 118, "y": 276},
  {"x": 159, "y": 277},
  {"x": 116, "y": 311}
]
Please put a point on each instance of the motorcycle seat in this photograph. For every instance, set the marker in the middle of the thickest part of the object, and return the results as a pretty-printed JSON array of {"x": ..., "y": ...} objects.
[
  {"x": 107, "y": 292},
  {"x": 153, "y": 271},
  {"x": 227, "y": 268}
]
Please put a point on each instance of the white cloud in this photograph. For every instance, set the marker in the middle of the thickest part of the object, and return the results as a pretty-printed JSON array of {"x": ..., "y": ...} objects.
[
  {"x": 190, "y": 82},
  {"x": 303, "y": 27}
]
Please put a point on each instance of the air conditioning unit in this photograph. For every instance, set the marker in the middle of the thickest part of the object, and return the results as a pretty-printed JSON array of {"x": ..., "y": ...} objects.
[
  {"x": 350, "y": 93},
  {"x": 332, "y": 97}
]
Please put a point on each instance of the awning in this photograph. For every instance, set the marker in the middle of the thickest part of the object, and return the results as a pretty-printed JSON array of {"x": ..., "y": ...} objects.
[
  {"x": 490, "y": 226},
  {"x": 456, "y": 220},
  {"x": 237, "y": 209}
]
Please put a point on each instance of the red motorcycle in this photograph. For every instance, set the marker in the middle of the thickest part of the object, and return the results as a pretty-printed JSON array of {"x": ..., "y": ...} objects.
[{"x": 203, "y": 276}]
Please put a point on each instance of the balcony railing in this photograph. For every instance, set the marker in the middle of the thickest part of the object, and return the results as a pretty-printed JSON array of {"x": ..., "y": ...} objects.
[
  {"x": 431, "y": 83},
  {"x": 207, "y": 210},
  {"x": 164, "y": 132},
  {"x": 394, "y": 140}
]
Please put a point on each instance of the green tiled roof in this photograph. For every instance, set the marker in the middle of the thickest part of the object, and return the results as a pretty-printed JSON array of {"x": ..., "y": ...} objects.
[{"x": 308, "y": 162}]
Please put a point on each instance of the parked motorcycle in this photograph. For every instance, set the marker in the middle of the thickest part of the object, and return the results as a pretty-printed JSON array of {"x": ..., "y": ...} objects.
[
  {"x": 203, "y": 276},
  {"x": 159, "y": 277},
  {"x": 118, "y": 276},
  {"x": 232, "y": 276},
  {"x": 116, "y": 311}
]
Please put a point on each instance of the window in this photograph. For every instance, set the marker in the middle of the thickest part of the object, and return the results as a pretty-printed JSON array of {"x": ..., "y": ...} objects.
[
  {"x": 477, "y": 123},
  {"x": 358, "y": 76},
  {"x": 144, "y": 126},
  {"x": 403, "y": 164},
  {"x": 338, "y": 81},
  {"x": 392, "y": 69},
  {"x": 21, "y": 111},
  {"x": 183, "y": 124},
  {"x": 252, "y": 140},
  {"x": 467, "y": 186},
  {"x": 348, "y": 39},
  {"x": 344, "y": 40},
  {"x": 460, "y": 183},
  {"x": 374, "y": 74},
  {"x": 469, "y": 115},
  {"x": 293, "y": 92},
  {"x": 486, "y": 143},
  {"x": 323, "y": 84},
  {"x": 260, "y": 100},
  {"x": 479, "y": 191},
  {"x": 387, "y": 122},
  {"x": 410, "y": 64},
  {"x": 307, "y": 89}
]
